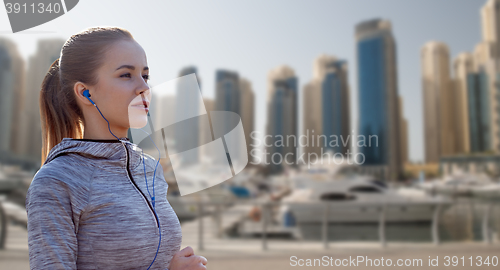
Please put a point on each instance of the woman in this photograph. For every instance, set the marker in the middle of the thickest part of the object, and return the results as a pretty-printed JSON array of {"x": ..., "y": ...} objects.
[{"x": 88, "y": 205}]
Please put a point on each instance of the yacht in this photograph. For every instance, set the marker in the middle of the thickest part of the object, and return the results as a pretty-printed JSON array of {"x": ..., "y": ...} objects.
[
  {"x": 353, "y": 198},
  {"x": 458, "y": 184},
  {"x": 489, "y": 191}
]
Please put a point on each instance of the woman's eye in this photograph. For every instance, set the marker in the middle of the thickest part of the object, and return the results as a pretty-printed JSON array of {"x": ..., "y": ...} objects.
[{"x": 128, "y": 75}]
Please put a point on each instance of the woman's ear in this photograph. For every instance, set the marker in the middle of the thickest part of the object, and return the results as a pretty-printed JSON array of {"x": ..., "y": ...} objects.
[{"x": 78, "y": 88}]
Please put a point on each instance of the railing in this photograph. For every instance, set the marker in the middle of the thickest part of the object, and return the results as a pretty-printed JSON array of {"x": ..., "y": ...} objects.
[
  {"x": 3, "y": 227},
  {"x": 266, "y": 209}
]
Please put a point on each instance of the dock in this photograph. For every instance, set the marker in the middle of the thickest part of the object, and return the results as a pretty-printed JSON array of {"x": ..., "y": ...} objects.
[{"x": 240, "y": 254}]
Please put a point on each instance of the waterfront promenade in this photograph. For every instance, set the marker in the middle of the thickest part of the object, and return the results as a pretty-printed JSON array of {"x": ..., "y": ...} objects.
[{"x": 226, "y": 254}]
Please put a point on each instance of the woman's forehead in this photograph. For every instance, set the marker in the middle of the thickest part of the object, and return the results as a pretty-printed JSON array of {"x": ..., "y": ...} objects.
[{"x": 126, "y": 53}]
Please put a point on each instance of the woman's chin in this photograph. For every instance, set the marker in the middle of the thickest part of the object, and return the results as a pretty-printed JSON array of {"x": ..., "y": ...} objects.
[{"x": 138, "y": 118}]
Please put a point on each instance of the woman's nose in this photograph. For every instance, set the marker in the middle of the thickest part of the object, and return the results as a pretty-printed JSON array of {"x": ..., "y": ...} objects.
[{"x": 143, "y": 89}]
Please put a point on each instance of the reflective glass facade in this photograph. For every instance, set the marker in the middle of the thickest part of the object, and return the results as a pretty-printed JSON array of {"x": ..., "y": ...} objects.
[
  {"x": 372, "y": 97},
  {"x": 331, "y": 98},
  {"x": 479, "y": 112}
]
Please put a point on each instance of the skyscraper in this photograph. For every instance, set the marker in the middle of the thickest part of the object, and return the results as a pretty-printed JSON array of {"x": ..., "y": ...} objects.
[
  {"x": 326, "y": 107},
  {"x": 486, "y": 67},
  {"x": 404, "y": 133},
  {"x": 312, "y": 118},
  {"x": 206, "y": 135},
  {"x": 227, "y": 91},
  {"x": 479, "y": 104},
  {"x": 188, "y": 101},
  {"x": 335, "y": 105},
  {"x": 234, "y": 93},
  {"x": 379, "y": 119},
  {"x": 438, "y": 102},
  {"x": 282, "y": 121},
  {"x": 247, "y": 100},
  {"x": 490, "y": 20},
  {"x": 48, "y": 50},
  {"x": 485, "y": 80},
  {"x": 11, "y": 101},
  {"x": 462, "y": 65}
]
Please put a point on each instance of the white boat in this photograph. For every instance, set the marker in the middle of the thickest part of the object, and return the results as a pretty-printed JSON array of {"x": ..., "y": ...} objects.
[
  {"x": 459, "y": 184},
  {"x": 490, "y": 191},
  {"x": 353, "y": 198}
]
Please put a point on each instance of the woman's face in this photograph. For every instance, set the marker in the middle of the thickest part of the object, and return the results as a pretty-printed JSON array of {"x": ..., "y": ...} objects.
[{"x": 122, "y": 93}]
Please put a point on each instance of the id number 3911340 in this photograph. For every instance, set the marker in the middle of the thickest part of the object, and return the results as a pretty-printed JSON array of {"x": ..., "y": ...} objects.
[
  {"x": 470, "y": 261},
  {"x": 33, "y": 8}
]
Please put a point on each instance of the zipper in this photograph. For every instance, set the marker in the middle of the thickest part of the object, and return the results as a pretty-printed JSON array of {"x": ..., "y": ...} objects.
[{"x": 133, "y": 182}]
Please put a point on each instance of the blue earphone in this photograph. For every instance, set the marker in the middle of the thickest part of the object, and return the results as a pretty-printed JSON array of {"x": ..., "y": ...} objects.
[{"x": 87, "y": 95}]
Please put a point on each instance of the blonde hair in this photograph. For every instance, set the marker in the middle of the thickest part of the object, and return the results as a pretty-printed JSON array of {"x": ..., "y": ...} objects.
[{"x": 81, "y": 55}]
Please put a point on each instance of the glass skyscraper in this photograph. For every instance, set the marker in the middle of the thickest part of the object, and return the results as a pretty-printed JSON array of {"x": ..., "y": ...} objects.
[
  {"x": 378, "y": 134},
  {"x": 227, "y": 91},
  {"x": 188, "y": 101},
  {"x": 326, "y": 110},
  {"x": 479, "y": 111},
  {"x": 227, "y": 98},
  {"x": 282, "y": 117},
  {"x": 335, "y": 106}
]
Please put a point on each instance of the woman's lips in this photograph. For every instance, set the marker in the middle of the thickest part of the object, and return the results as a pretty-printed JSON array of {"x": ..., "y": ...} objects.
[{"x": 142, "y": 107}]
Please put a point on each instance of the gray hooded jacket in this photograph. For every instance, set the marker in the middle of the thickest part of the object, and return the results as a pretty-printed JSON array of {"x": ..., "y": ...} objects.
[{"x": 89, "y": 208}]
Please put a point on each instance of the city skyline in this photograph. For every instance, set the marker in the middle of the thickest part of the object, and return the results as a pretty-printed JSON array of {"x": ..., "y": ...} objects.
[
  {"x": 461, "y": 108},
  {"x": 297, "y": 55}
]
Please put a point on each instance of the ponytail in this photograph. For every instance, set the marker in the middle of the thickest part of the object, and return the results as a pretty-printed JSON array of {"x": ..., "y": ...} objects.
[{"x": 59, "y": 113}]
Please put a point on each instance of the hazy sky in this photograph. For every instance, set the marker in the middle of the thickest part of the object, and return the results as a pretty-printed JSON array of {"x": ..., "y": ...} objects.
[{"x": 252, "y": 37}]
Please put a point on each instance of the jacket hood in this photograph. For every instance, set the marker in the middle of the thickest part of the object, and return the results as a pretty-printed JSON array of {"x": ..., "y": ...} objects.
[{"x": 109, "y": 150}]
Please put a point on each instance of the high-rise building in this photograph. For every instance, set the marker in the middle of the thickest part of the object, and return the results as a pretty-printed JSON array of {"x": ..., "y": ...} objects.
[
  {"x": 479, "y": 104},
  {"x": 189, "y": 102},
  {"x": 485, "y": 65},
  {"x": 462, "y": 66},
  {"x": 247, "y": 104},
  {"x": 404, "y": 133},
  {"x": 227, "y": 91},
  {"x": 12, "y": 92},
  {"x": 490, "y": 20},
  {"x": 206, "y": 135},
  {"x": 326, "y": 107},
  {"x": 282, "y": 121},
  {"x": 234, "y": 93},
  {"x": 378, "y": 98},
  {"x": 312, "y": 123},
  {"x": 475, "y": 95},
  {"x": 438, "y": 101},
  {"x": 335, "y": 103},
  {"x": 485, "y": 81},
  {"x": 48, "y": 50},
  {"x": 163, "y": 107}
]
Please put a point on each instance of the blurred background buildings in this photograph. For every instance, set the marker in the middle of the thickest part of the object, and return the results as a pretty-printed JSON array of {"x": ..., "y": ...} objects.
[
  {"x": 352, "y": 107},
  {"x": 460, "y": 104}
]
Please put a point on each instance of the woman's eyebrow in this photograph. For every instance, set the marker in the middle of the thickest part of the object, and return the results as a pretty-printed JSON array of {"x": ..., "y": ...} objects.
[{"x": 130, "y": 67}]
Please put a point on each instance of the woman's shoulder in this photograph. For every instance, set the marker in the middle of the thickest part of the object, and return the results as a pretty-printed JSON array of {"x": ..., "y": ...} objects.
[
  {"x": 60, "y": 181},
  {"x": 62, "y": 171}
]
